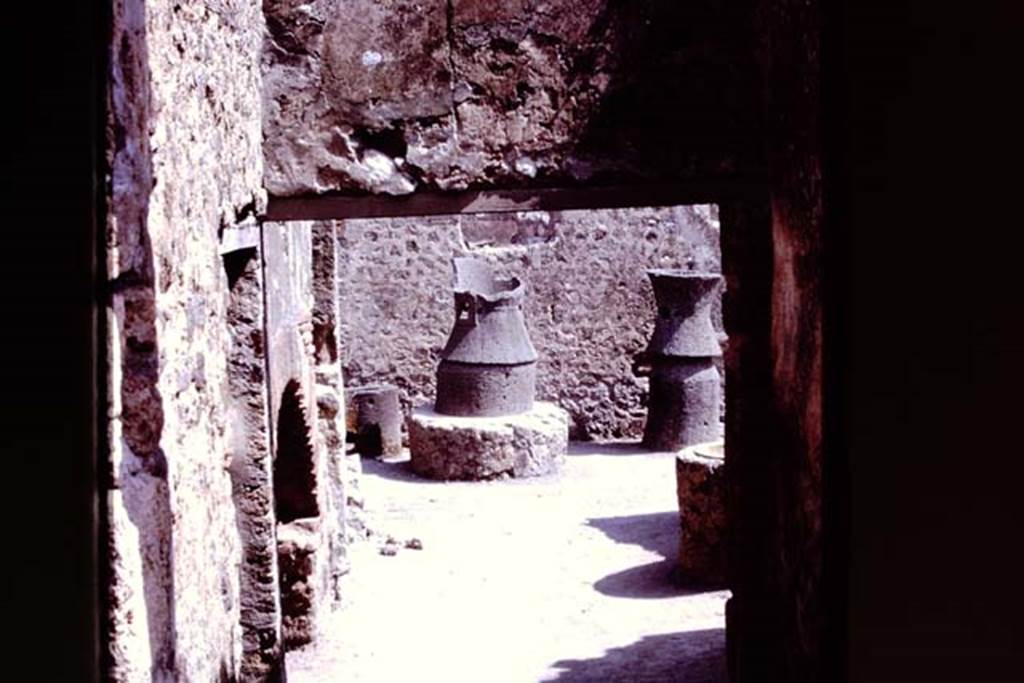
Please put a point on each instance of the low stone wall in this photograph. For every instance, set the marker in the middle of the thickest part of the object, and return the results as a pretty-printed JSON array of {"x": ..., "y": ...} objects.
[{"x": 589, "y": 305}]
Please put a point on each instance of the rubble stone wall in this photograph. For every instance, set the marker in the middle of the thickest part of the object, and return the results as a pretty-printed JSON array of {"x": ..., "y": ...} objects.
[
  {"x": 391, "y": 96},
  {"x": 589, "y": 305},
  {"x": 183, "y": 164},
  {"x": 252, "y": 468}
]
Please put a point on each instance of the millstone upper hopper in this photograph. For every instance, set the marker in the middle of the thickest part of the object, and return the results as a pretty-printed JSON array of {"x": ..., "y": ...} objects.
[
  {"x": 488, "y": 366},
  {"x": 683, "y": 404},
  {"x": 683, "y": 327}
]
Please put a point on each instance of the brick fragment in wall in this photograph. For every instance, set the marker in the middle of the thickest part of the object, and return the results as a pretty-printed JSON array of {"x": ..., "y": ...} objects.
[
  {"x": 396, "y": 96},
  {"x": 589, "y": 305}
]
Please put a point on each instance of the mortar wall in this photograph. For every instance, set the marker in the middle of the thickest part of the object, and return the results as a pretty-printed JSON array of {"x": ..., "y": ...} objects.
[{"x": 183, "y": 163}]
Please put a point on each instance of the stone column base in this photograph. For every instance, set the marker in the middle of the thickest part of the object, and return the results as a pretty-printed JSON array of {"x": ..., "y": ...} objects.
[
  {"x": 700, "y": 484},
  {"x": 477, "y": 448}
]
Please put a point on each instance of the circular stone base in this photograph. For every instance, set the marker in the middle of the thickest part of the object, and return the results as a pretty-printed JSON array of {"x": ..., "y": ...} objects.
[{"x": 478, "y": 448}]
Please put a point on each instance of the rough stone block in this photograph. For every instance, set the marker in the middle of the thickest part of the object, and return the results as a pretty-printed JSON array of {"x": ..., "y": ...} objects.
[
  {"x": 700, "y": 484},
  {"x": 477, "y": 448},
  {"x": 297, "y": 545}
]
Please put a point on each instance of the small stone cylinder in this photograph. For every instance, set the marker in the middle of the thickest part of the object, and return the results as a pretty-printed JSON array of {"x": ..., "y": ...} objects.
[
  {"x": 683, "y": 407},
  {"x": 373, "y": 418},
  {"x": 700, "y": 485}
]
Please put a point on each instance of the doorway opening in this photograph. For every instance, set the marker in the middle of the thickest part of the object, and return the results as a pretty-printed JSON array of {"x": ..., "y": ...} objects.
[{"x": 581, "y": 568}]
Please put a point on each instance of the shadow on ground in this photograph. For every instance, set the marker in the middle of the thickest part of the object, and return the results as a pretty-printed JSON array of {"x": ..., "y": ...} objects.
[
  {"x": 657, "y": 532},
  {"x": 691, "y": 656},
  {"x": 647, "y": 581}
]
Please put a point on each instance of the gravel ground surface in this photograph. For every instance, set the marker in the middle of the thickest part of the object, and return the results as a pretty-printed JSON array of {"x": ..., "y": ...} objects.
[{"x": 561, "y": 578}]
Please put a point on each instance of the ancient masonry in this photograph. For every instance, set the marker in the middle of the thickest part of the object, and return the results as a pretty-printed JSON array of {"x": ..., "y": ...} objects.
[
  {"x": 228, "y": 493},
  {"x": 373, "y": 418},
  {"x": 398, "y": 96},
  {"x": 184, "y": 168}
]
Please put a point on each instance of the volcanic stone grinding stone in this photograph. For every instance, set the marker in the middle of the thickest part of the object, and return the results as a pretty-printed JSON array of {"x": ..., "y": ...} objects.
[
  {"x": 477, "y": 448},
  {"x": 700, "y": 484}
]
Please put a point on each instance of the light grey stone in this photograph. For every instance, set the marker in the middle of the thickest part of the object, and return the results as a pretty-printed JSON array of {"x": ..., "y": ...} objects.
[
  {"x": 307, "y": 426},
  {"x": 477, "y": 448}
]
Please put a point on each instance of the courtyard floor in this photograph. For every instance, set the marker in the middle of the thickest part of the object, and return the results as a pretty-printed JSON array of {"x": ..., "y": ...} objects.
[{"x": 559, "y": 578}]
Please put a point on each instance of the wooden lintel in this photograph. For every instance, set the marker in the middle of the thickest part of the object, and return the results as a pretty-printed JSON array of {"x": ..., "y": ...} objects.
[{"x": 339, "y": 207}]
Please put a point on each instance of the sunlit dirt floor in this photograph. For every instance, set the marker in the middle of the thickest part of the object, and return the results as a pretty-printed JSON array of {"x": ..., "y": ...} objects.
[{"x": 561, "y": 578}]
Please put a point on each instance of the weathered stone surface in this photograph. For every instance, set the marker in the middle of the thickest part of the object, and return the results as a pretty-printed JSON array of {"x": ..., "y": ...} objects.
[
  {"x": 589, "y": 307},
  {"x": 251, "y": 468},
  {"x": 398, "y": 95},
  {"x": 478, "y": 448},
  {"x": 298, "y": 545},
  {"x": 700, "y": 485},
  {"x": 488, "y": 366},
  {"x": 332, "y": 469},
  {"x": 184, "y": 161},
  {"x": 684, "y": 403},
  {"x": 288, "y": 254}
]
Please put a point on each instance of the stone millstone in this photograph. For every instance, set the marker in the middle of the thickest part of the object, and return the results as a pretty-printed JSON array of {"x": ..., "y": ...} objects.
[
  {"x": 477, "y": 448},
  {"x": 700, "y": 484}
]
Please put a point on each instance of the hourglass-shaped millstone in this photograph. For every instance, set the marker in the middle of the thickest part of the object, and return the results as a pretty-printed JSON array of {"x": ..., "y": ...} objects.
[
  {"x": 685, "y": 390},
  {"x": 488, "y": 366}
]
